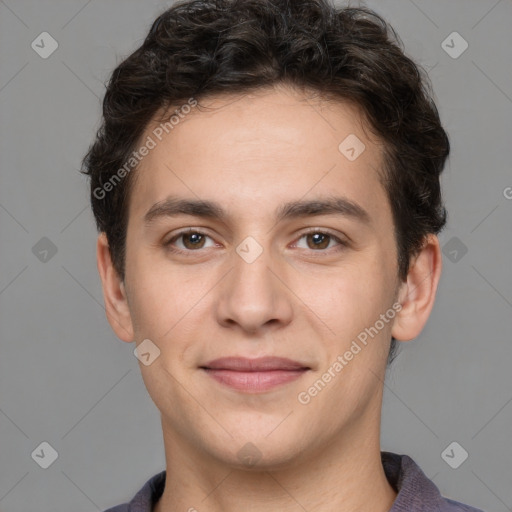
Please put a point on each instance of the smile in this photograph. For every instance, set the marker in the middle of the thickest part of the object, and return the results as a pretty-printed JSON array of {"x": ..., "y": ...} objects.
[{"x": 254, "y": 375}]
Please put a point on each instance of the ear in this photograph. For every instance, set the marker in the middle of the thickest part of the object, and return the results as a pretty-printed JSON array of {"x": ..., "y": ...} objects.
[
  {"x": 114, "y": 294},
  {"x": 417, "y": 293}
]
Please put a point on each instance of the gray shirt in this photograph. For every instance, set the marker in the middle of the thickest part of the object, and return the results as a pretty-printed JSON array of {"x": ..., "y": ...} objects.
[{"x": 416, "y": 493}]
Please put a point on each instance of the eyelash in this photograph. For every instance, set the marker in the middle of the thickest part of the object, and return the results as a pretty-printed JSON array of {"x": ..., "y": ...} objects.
[{"x": 341, "y": 243}]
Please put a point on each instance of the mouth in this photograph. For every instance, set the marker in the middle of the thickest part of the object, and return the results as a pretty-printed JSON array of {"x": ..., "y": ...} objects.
[{"x": 254, "y": 375}]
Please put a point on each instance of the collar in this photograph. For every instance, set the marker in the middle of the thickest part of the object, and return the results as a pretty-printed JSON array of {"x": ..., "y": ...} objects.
[{"x": 415, "y": 492}]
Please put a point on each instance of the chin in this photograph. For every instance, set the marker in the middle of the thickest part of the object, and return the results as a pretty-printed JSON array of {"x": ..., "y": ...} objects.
[{"x": 260, "y": 452}]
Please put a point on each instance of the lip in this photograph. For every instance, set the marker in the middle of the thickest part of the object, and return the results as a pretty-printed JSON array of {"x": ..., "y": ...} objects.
[
  {"x": 260, "y": 364},
  {"x": 254, "y": 375}
]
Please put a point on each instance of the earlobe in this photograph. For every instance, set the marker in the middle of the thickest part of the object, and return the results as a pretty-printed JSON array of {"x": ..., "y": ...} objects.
[
  {"x": 114, "y": 293},
  {"x": 417, "y": 294}
]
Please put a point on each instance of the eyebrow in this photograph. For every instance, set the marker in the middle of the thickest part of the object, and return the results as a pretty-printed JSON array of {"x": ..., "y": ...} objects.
[{"x": 173, "y": 206}]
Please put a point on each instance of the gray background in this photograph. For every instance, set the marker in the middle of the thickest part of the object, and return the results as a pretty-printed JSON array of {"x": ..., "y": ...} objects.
[{"x": 65, "y": 378}]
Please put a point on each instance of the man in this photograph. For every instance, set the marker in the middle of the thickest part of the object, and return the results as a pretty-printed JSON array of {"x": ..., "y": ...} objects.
[{"x": 266, "y": 187}]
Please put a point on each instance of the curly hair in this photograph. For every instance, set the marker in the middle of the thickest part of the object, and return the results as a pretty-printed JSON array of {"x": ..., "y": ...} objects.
[{"x": 200, "y": 48}]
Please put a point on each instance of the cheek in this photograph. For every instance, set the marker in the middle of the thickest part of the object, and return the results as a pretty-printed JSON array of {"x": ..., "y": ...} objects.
[
  {"x": 156, "y": 301},
  {"x": 351, "y": 299},
  {"x": 167, "y": 304}
]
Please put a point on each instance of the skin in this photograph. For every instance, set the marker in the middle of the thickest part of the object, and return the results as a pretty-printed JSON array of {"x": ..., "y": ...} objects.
[{"x": 251, "y": 153}]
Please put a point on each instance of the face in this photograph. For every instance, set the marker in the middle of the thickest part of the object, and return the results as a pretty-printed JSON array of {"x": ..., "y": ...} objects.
[{"x": 252, "y": 235}]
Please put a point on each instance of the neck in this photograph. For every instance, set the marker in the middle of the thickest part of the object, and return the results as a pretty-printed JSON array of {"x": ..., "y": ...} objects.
[{"x": 344, "y": 476}]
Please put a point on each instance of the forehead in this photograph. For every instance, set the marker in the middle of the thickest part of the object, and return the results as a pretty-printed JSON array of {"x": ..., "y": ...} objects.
[{"x": 253, "y": 151}]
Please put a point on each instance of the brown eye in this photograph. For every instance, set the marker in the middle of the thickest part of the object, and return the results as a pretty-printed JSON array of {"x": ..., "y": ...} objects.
[
  {"x": 318, "y": 240},
  {"x": 193, "y": 240},
  {"x": 189, "y": 241}
]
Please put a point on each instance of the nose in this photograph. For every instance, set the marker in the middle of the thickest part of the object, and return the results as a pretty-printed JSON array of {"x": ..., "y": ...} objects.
[{"x": 254, "y": 296}]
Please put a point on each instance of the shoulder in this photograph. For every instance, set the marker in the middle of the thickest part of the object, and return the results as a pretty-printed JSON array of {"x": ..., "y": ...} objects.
[
  {"x": 144, "y": 499},
  {"x": 416, "y": 492}
]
